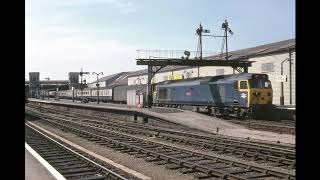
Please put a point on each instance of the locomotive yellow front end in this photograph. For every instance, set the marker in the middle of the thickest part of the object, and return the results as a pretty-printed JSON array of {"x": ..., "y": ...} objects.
[
  {"x": 260, "y": 90},
  {"x": 260, "y": 95}
]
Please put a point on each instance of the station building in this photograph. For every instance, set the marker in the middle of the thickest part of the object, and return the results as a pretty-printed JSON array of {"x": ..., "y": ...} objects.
[
  {"x": 268, "y": 59},
  {"x": 112, "y": 80},
  {"x": 35, "y": 88}
]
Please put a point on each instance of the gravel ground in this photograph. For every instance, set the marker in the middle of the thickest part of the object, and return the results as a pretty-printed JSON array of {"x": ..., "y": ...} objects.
[{"x": 139, "y": 165}]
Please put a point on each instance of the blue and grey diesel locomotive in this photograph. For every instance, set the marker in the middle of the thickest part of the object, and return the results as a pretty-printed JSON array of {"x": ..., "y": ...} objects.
[
  {"x": 237, "y": 95},
  {"x": 240, "y": 95}
]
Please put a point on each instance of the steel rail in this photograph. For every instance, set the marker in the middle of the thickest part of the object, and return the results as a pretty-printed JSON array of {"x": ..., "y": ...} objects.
[
  {"x": 282, "y": 157},
  {"x": 258, "y": 154},
  {"x": 213, "y": 137},
  {"x": 131, "y": 144},
  {"x": 68, "y": 162},
  {"x": 153, "y": 130}
]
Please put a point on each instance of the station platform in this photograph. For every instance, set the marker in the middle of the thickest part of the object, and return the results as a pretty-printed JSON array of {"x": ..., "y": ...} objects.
[
  {"x": 183, "y": 117},
  {"x": 286, "y": 111},
  {"x": 34, "y": 170},
  {"x": 288, "y": 107}
]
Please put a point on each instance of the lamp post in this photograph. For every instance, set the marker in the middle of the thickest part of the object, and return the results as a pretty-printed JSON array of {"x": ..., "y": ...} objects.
[
  {"x": 282, "y": 94},
  {"x": 72, "y": 94},
  {"x": 139, "y": 80},
  {"x": 97, "y": 83},
  {"x": 57, "y": 94},
  {"x": 48, "y": 86},
  {"x": 81, "y": 84}
]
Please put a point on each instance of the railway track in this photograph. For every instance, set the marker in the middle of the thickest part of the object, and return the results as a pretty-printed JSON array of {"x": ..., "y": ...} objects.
[
  {"x": 69, "y": 163},
  {"x": 202, "y": 165},
  {"x": 280, "y": 157},
  {"x": 179, "y": 131}
]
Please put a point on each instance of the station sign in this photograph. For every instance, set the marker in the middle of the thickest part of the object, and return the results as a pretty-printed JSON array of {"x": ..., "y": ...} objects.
[
  {"x": 175, "y": 77},
  {"x": 281, "y": 78}
]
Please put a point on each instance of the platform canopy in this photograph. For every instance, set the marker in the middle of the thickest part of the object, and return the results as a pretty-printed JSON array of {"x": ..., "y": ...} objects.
[
  {"x": 193, "y": 62},
  {"x": 185, "y": 58}
]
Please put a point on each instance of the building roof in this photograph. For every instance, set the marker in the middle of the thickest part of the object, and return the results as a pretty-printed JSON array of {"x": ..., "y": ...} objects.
[
  {"x": 108, "y": 78},
  {"x": 122, "y": 79},
  {"x": 115, "y": 79},
  {"x": 242, "y": 54}
]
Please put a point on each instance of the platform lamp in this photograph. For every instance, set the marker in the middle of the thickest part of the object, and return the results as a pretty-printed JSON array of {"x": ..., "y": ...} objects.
[
  {"x": 282, "y": 94},
  {"x": 187, "y": 53},
  {"x": 48, "y": 86},
  {"x": 41, "y": 91},
  {"x": 81, "y": 84},
  {"x": 72, "y": 93},
  {"x": 139, "y": 80},
  {"x": 97, "y": 83},
  {"x": 57, "y": 94}
]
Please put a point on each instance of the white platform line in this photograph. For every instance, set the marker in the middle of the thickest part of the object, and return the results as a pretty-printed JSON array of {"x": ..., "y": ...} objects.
[
  {"x": 95, "y": 155},
  {"x": 52, "y": 170}
]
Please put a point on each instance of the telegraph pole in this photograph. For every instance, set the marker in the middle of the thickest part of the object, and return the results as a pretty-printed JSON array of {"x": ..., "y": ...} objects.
[
  {"x": 282, "y": 93},
  {"x": 225, "y": 26},
  {"x": 199, "y": 31},
  {"x": 97, "y": 84},
  {"x": 72, "y": 94},
  {"x": 81, "y": 84}
]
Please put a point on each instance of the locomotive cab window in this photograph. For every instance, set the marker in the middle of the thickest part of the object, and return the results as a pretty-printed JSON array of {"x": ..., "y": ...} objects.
[
  {"x": 260, "y": 83},
  {"x": 243, "y": 85},
  {"x": 267, "y": 84}
]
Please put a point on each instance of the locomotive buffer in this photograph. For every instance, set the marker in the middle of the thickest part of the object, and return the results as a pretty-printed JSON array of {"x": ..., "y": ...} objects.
[{"x": 155, "y": 63}]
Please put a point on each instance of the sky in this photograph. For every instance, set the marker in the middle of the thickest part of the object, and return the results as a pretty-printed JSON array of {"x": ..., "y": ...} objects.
[{"x": 63, "y": 36}]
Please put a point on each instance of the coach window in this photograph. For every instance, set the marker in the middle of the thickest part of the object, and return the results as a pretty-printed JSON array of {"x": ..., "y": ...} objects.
[{"x": 243, "y": 85}]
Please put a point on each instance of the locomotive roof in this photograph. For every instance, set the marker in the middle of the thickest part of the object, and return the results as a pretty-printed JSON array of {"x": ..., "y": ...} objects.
[{"x": 208, "y": 79}]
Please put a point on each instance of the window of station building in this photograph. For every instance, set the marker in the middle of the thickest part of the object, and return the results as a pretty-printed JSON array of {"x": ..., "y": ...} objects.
[
  {"x": 267, "y": 67},
  {"x": 220, "y": 71}
]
